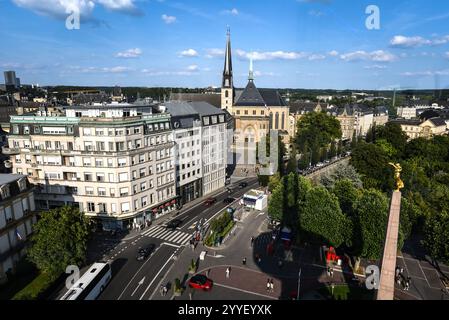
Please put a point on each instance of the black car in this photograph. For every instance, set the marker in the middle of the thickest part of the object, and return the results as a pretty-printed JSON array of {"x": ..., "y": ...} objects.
[
  {"x": 144, "y": 253},
  {"x": 174, "y": 224},
  {"x": 228, "y": 200},
  {"x": 243, "y": 185}
]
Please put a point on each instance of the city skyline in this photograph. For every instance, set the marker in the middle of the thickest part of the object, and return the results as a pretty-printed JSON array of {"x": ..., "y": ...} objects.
[{"x": 299, "y": 44}]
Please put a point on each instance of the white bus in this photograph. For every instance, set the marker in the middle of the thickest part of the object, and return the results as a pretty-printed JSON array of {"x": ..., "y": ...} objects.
[{"x": 91, "y": 284}]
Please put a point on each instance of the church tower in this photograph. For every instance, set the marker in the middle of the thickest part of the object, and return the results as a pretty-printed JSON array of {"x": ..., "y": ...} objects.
[{"x": 227, "y": 87}]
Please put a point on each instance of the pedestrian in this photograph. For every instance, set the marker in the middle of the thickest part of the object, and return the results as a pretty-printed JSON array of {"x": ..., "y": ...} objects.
[
  {"x": 244, "y": 261},
  {"x": 268, "y": 285},
  {"x": 328, "y": 271},
  {"x": 165, "y": 290},
  {"x": 398, "y": 270},
  {"x": 252, "y": 241},
  {"x": 162, "y": 290},
  {"x": 272, "y": 285},
  {"x": 228, "y": 271},
  {"x": 332, "y": 272}
]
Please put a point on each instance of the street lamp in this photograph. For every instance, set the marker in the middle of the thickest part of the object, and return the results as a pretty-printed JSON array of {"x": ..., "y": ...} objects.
[{"x": 299, "y": 283}]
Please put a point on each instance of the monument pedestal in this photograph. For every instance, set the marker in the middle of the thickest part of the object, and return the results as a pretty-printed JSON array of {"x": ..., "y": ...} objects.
[{"x": 388, "y": 267}]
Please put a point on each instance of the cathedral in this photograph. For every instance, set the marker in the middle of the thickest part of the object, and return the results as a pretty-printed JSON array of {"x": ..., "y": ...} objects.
[{"x": 256, "y": 111}]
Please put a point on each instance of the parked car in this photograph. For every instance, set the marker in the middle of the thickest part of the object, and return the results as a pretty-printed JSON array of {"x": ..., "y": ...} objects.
[
  {"x": 228, "y": 200},
  {"x": 243, "y": 185},
  {"x": 201, "y": 282},
  {"x": 174, "y": 224},
  {"x": 144, "y": 253},
  {"x": 210, "y": 202}
]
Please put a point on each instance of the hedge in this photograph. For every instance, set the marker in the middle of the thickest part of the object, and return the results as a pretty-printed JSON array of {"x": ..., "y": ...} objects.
[{"x": 35, "y": 289}]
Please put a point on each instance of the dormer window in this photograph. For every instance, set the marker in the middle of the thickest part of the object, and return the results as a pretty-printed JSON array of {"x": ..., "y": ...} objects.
[
  {"x": 22, "y": 184},
  {"x": 4, "y": 191}
]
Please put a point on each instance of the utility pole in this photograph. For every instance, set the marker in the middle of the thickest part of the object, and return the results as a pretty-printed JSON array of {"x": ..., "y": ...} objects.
[{"x": 299, "y": 283}]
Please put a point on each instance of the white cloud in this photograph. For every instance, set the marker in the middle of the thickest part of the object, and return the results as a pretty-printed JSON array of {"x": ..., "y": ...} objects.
[
  {"x": 271, "y": 55},
  {"x": 188, "y": 53},
  {"x": 378, "y": 56},
  {"x": 213, "y": 53},
  {"x": 315, "y": 56},
  {"x": 426, "y": 73},
  {"x": 416, "y": 41},
  {"x": 233, "y": 12},
  {"x": 192, "y": 67},
  {"x": 447, "y": 54},
  {"x": 333, "y": 53},
  {"x": 168, "y": 19},
  {"x": 130, "y": 53},
  {"x": 118, "y": 69},
  {"x": 62, "y": 8},
  {"x": 375, "y": 66}
]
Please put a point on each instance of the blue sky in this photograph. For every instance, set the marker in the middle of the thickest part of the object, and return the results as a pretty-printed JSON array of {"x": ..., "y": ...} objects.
[{"x": 294, "y": 43}]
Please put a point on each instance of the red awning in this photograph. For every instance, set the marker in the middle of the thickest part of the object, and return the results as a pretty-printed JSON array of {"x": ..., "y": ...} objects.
[
  {"x": 168, "y": 204},
  {"x": 173, "y": 202}
]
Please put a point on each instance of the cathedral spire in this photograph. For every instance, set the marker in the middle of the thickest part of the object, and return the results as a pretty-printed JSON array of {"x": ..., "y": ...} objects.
[
  {"x": 251, "y": 70},
  {"x": 227, "y": 72}
]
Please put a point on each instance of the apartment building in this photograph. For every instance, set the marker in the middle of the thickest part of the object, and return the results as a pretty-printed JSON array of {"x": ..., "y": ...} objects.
[
  {"x": 115, "y": 161},
  {"x": 17, "y": 216},
  {"x": 416, "y": 128},
  {"x": 200, "y": 136}
]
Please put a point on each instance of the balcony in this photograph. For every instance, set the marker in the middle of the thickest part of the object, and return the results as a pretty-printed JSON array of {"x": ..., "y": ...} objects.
[{"x": 10, "y": 151}]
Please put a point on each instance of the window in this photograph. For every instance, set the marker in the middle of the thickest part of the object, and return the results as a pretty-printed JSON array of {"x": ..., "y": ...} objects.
[
  {"x": 143, "y": 186},
  {"x": 124, "y": 192},
  {"x": 141, "y": 158},
  {"x": 142, "y": 172},
  {"x": 89, "y": 191},
  {"x": 22, "y": 184},
  {"x": 4, "y": 191},
  {"x": 98, "y": 162},
  {"x": 102, "y": 208},
  {"x": 122, "y": 162},
  {"x": 113, "y": 208},
  {"x": 90, "y": 207},
  {"x": 86, "y": 162},
  {"x": 100, "y": 177},
  {"x": 123, "y": 177},
  {"x": 88, "y": 177},
  {"x": 101, "y": 146},
  {"x": 144, "y": 201},
  {"x": 87, "y": 132},
  {"x": 88, "y": 146},
  {"x": 125, "y": 207},
  {"x": 112, "y": 192},
  {"x": 102, "y": 192}
]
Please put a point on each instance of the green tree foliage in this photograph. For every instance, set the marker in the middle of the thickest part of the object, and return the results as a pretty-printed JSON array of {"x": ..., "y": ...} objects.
[
  {"x": 370, "y": 224},
  {"x": 387, "y": 147},
  {"x": 437, "y": 235},
  {"x": 276, "y": 203},
  {"x": 347, "y": 195},
  {"x": 341, "y": 172},
  {"x": 392, "y": 133},
  {"x": 59, "y": 239},
  {"x": 371, "y": 162},
  {"x": 317, "y": 130},
  {"x": 322, "y": 218}
]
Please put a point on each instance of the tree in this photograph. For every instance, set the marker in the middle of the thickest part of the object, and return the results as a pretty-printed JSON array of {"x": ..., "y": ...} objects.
[
  {"x": 387, "y": 147},
  {"x": 392, "y": 132},
  {"x": 276, "y": 203},
  {"x": 274, "y": 181},
  {"x": 436, "y": 235},
  {"x": 371, "y": 162},
  {"x": 347, "y": 195},
  {"x": 322, "y": 218},
  {"x": 341, "y": 172},
  {"x": 317, "y": 130},
  {"x": 370, "y": 224},
  {"x": 333, "y": 150},
  {"x": 59, "y": 239}
]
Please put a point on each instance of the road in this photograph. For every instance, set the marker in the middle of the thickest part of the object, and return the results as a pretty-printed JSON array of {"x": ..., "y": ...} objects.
[{"x": 139, "y": 280}]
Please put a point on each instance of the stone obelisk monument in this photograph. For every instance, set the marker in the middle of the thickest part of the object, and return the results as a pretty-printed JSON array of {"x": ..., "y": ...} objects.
[{"x": 387, "y": 271}]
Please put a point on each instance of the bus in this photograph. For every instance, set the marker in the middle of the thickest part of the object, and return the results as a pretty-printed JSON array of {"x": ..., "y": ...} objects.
[{"x": 91, "y": 284}]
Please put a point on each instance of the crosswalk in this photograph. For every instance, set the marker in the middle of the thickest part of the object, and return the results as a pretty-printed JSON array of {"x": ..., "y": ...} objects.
[{"x": 168, "y": 235}]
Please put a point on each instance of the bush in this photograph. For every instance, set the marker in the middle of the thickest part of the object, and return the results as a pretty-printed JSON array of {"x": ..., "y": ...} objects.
[
  {"x": 178, "y": 287},
  {"x": 35, "y": 289}
]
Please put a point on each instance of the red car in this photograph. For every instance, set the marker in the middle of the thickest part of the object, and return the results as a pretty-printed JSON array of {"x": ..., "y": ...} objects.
[
  {"x": 210, "y": 202},
  {"x": 200, "y": 282}
]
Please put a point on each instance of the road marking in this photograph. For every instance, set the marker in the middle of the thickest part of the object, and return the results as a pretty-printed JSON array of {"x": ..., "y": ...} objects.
[
  {"x": 138, "y": 286},
  {"x": 245, "y": 291},
  {"x": 169, "y": 259},
  {"x": 171, "y": 245},
  {"x": 121, "y": 294}
]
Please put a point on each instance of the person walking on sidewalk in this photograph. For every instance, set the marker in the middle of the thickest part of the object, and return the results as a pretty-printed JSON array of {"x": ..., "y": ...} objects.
[
  {"x": 272, "y": 285},
  {"x": 244, "y": 261},
  {"x": 252, "y": 241},
  {"x": 268, "y": 285},
  {"x": 228, "y": 271}
]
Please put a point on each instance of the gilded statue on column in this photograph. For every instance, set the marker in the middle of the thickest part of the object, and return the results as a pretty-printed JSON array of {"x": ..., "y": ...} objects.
[{"x": 397, "y": 176}]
